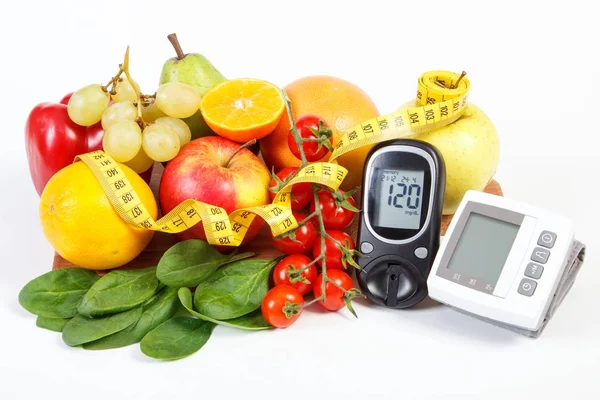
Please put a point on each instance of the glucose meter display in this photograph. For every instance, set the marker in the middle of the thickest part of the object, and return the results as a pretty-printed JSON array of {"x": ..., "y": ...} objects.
[
  {"x": 399, "y": 198},
  {"x": 483, "y": 248}
]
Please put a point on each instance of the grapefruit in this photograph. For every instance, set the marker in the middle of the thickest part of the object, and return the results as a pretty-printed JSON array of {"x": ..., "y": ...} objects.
[{"x": 341, "y": 104}]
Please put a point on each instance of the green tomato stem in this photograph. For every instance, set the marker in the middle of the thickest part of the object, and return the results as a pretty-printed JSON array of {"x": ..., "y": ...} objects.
[
  {"x": 308, "y": 303},
  {"x": 304, "y": 163},
  {"x": 309, "y": 217},
  {"x": 323, "y": 233},
  {"x": 315, "y": 188},
  {"x": 297, "y": 138},
  {"x": 313, "y": 262},
  {"x": 337, "y": 286},
  {"x": 300, "y": 270}
]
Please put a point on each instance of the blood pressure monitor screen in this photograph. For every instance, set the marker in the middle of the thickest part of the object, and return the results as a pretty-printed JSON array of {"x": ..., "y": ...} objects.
[
  {"x": 399, "y": 198},
  {"x": 483, "y": 247}
]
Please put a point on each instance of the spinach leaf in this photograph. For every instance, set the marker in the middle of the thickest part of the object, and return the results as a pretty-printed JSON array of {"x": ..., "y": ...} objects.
[
  {"x": 234, "y": 290},
  {"x": 56, "y": 294},
  {"x": 251, "y": 322},
  {"x": 53, "y": 324},
  {"x": 176, "y": 338},
  {"x": 189, "y": 262},
  {"x": 119, "y": 290},
  {"x": 82, "y": 329},
  {"x": 157, "y": 310}
]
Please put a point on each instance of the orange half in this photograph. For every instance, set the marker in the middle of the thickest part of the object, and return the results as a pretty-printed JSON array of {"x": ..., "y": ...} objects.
[{"x": 243, "y": 109}]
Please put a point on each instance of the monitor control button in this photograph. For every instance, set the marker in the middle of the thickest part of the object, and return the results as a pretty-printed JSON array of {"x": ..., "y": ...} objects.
[
  {"x": 366, "y": 247},
  {"x": 527, "y": 287},
  {"x": 547, "y": 239},
  {"x": 540, "y": 255},
  {"x": 534, "y": 270},
  {"x": 421, "y": 252}
]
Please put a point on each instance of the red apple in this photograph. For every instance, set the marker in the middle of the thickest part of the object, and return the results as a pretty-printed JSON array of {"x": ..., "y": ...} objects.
[{"x": 204, "y": 170}]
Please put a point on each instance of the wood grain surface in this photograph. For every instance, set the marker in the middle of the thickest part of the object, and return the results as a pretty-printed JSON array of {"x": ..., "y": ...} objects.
[{"x": 261, "y": 245}]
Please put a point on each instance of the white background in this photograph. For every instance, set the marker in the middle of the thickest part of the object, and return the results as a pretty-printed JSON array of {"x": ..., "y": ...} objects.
[{"x": 533, "y": 69}]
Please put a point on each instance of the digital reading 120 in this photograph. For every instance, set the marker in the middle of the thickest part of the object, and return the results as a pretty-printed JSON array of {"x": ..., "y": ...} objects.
[
  {"x": 399, "y": 229},
  {"x": 400, "y": 198}
]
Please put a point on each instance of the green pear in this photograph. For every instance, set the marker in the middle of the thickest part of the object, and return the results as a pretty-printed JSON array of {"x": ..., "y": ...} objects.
[
  {"x": 197, "y": 71},
  {"x": 471, "y": 151}
]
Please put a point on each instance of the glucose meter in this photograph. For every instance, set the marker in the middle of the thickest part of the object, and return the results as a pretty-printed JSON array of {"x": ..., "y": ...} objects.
[
  {"x": 399, "y": 227},
  {"x": 506, "y": 262}
]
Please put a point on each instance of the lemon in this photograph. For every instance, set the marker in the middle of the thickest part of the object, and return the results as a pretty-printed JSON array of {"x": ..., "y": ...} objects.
[{"x": 80, "y": 223}]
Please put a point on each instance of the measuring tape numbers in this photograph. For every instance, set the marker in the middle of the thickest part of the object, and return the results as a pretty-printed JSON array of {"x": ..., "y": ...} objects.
[
  {"x": 220, "y": 228},
  {"x": 441, "y": 100}
]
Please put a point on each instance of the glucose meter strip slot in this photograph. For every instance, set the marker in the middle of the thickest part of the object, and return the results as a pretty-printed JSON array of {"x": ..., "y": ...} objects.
[{"x": 573, "y": 265}]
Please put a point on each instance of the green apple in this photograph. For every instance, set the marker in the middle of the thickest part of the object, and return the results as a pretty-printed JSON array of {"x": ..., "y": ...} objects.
[
  {"x": 197, "y": 71},
  {"x": 471, "y": 151}
]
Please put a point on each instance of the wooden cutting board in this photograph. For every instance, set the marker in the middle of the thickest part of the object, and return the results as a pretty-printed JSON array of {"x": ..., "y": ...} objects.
[{"x": 261, "y": 245}]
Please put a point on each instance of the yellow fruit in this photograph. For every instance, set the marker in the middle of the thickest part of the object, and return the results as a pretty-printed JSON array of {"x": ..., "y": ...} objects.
[
  {"x": 471, "y": 151},
  {"x": 341, "y": 104},
  {"x": 80, "y": 223},
  {"x": 242, "y": 109}
]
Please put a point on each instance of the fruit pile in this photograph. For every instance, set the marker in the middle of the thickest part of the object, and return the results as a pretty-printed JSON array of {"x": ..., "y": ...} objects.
[
  {"x": 136, "y": 134},
  {"x": 217, "y": 139}
]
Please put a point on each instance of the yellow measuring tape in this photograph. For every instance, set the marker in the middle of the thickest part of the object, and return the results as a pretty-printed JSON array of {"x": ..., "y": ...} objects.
[
  {"x": 441, "y": 100},
  {"x": 220, "y": 228}
]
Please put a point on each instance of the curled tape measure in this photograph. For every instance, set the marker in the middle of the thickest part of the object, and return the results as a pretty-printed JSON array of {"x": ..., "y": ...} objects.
[
  {"x": 441, "y": 100},
  {"x": 220, "y": 228}
]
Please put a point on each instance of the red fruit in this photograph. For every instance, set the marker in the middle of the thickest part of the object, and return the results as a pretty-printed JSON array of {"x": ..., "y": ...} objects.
[
  {"x": 336, "y": 213},
  {"x": 309, "y": 126},
  {"x": 53, "y": 141},
  {"x": 305, "y": 236},
  {"x": 301, "y": 192},
  {"x": 333, "y": 252},
  {"x": 297, "y": 262},
  {"x": 334, "y": 296},
  {"x": 282, "y": 306},
  {"x": 66, "y": 98},
  {"x": 203, "y": 171}
]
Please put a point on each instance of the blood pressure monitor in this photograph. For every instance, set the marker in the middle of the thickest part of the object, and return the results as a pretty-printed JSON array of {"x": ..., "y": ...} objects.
[
  {"x": 506, "y": 262},
  {"x": 399, "y": 227}
]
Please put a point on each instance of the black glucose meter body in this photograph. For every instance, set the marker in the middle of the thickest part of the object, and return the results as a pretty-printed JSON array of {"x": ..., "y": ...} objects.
[{"x": 399, "y": 227}]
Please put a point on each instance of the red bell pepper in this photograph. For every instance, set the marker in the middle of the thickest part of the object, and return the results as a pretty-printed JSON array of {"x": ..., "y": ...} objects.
[{"x": 53, "y": 141}]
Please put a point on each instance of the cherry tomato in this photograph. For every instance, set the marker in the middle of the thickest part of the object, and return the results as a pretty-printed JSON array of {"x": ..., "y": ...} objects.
[
  {"x": 297, "y": 261},
  {"x": 334, "y": 296},
  {"x": 305, "y": 237},
  {"x": 333, "y": 253},
  {"x": 334, "y": 216},
  {"x": 302, "y": 193},
  {"x": 281, "y": 307},
  {"x": 311, "y": 149}
]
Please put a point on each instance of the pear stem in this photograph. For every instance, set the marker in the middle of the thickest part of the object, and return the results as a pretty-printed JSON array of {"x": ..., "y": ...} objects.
[
  {"x": 175, "y": 42},
  {"x": 249, "y": 143}
]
